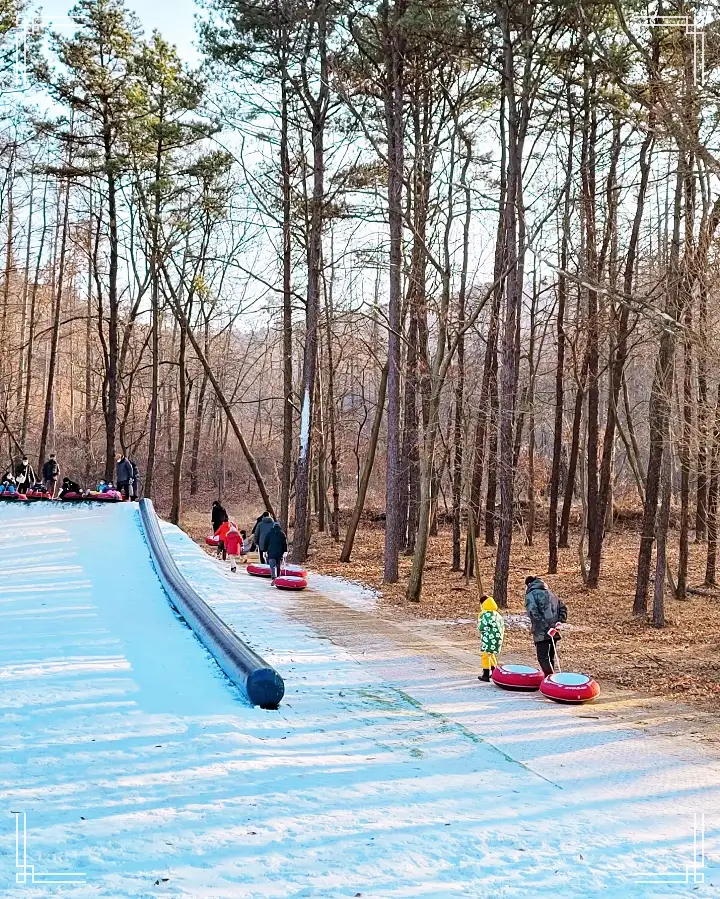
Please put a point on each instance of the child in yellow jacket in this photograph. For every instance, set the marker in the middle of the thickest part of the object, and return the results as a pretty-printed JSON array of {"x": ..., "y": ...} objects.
[{"x": 491, "y": 627}]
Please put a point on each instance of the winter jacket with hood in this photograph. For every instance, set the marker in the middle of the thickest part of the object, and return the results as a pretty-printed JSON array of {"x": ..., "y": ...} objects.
[
  {"x": 491, "y": 626},
  {"x": 261, "y": 531},
  {"x": 232, "y": 541},
  {"x": 276, "y": 542},
  {"x": 543, "y": 608}
]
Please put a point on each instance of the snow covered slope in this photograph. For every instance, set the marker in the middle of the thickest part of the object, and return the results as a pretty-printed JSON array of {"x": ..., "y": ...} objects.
[{"x": 138, "y": 765}]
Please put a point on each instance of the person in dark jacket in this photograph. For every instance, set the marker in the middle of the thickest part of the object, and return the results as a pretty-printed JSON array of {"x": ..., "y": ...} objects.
[
  {"x": 218, "y": 515},
  {"x": 544, "y": 611},
  {"x": 69, "y": 486},
  {"x": 275, "y": 548},
  {"x": 51, "y": 473},
  {"x": 24, "y": 475},
  {"x": 124, "y": 476},
  {"x": 262, "y": 528},
  {"x": 135, "y": 481}
]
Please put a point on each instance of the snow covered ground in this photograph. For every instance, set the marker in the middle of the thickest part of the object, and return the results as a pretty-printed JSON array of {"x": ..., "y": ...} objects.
[{"x": 141, "y": 768}]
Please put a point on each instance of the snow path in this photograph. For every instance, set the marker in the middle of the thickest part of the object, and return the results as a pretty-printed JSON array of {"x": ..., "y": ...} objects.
[{"x": 374, "y": 777}]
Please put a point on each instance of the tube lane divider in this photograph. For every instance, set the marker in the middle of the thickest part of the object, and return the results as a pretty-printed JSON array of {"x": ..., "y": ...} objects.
[{"x": 260, "y": 682}]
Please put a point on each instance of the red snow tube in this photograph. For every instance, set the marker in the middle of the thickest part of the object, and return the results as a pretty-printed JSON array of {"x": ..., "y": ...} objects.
[
  {"x": 290, "y": 582},
  {"x": 569, "y": 687},
  {"x": 258, "y": 570},
  {"x": 37, "y": 494},
  {"x": 517, "y": 677},
  {"x": 212, "y": 540},
  {"x": 13, "y": 497},
  {"x": 293, "y": 571},
  {"x": 71, "y": 497}
]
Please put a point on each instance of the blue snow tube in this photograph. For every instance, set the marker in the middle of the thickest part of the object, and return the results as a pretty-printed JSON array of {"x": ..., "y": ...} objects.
[{"x": 261, "y": 684}]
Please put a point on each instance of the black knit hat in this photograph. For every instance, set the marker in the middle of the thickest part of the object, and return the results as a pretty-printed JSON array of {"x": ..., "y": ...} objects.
[{"x": 529, "y": 580}]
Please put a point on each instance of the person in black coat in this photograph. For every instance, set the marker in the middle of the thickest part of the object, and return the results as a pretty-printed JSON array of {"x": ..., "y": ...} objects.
[
  {"x": 218, "y": 515},
  {"x": 51, "y": 473},
  {"x": 124, "y": 476},
  {"x": 275, "y": 548},
  {"x": 260, "y": 532},
  {"x": 24, "y": 475},
  {"x": 69, "y": 486},
  {"x": 135, "y": 481}
]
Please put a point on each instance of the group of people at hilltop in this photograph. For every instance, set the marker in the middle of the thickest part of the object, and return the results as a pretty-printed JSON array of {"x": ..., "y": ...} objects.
[
  {"x": 267, "y": 537},
  {"x": 545, "y": 612},
  {"x": 21, "y": 478}
]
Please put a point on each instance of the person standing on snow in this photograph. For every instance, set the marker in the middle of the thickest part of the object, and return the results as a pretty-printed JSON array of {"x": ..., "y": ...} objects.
[
  {"x": 233, "y": 545},
  {"x": 124, "y": 476},
  {"x": 218, "y": 515},
  {"x": 262, "y": 528},
  {"x": 24, "y": 475},
  {"x": 275, "y": 549},
  {"x": 544, "y": 611},
  {"x": 135, "y": 484},
  {"x": 51, "y": 473},
  {"x": 491, "y": 627}
]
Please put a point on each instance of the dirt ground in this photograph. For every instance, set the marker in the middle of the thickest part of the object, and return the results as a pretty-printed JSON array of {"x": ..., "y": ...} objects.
[{"x": 603, "y": 638}]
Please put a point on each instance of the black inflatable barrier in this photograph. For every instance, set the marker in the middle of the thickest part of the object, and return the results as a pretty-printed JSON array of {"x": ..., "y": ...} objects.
[{"x": 261, "y": 684}]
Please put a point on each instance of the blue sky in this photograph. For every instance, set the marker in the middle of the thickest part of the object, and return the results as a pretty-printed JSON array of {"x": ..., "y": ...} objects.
[{"x": 173, "y": 18}]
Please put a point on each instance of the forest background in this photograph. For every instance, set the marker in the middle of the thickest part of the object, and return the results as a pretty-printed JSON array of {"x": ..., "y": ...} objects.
[{"x": 438, "y": 276}]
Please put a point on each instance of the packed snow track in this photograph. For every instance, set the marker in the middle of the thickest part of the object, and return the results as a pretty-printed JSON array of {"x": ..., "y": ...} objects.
[{"x": 138, "y": 770}]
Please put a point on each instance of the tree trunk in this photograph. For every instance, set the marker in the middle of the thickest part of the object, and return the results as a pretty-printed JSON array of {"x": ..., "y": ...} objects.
[
  {"x": 395, "y": 170},
  {"x": 182, "y": 418},
  {"x": 287, "y": 307},
  {"x": 55, "y": 337},
  {"x": 491, "y": 493},
  {"x": 662, "y": 529},
  {"x": 562, "y": 294},
  {"x": 367, "y": 470},
  {"x": 659, "y": 413},
  {"x": 32, "y": 323},
  {"x": 199, "y": 415},
  {"x": 301, "y": 534}
]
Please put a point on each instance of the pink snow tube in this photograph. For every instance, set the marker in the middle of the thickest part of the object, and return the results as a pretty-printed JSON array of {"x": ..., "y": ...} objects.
[
  {"x": 290, "y": 582},
  {"x": 258, "y": 570},
  {"x": 517, "y": 677},
  {"x": 569, "y": 687},
  {"x": 212, "y": 540},
  {"x": 110, "y": 496}
]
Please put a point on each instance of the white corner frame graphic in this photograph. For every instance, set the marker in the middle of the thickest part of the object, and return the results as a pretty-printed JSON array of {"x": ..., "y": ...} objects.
[
  {"x": 25, "y": 873},
  {"x": 35, "y": 25},
  {"x": 692, "y": 29},
  {"x": 694, "y": 872}
]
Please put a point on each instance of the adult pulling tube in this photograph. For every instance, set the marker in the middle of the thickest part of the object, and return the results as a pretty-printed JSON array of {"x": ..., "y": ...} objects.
[{"x": 261, "y": 684}]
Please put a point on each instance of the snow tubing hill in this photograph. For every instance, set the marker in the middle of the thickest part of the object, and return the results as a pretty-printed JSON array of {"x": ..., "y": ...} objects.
[
  {"x": 261, "y": 684},
  {"x": 517, "y": 677},
  {"x": 568, "y": 687}
]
